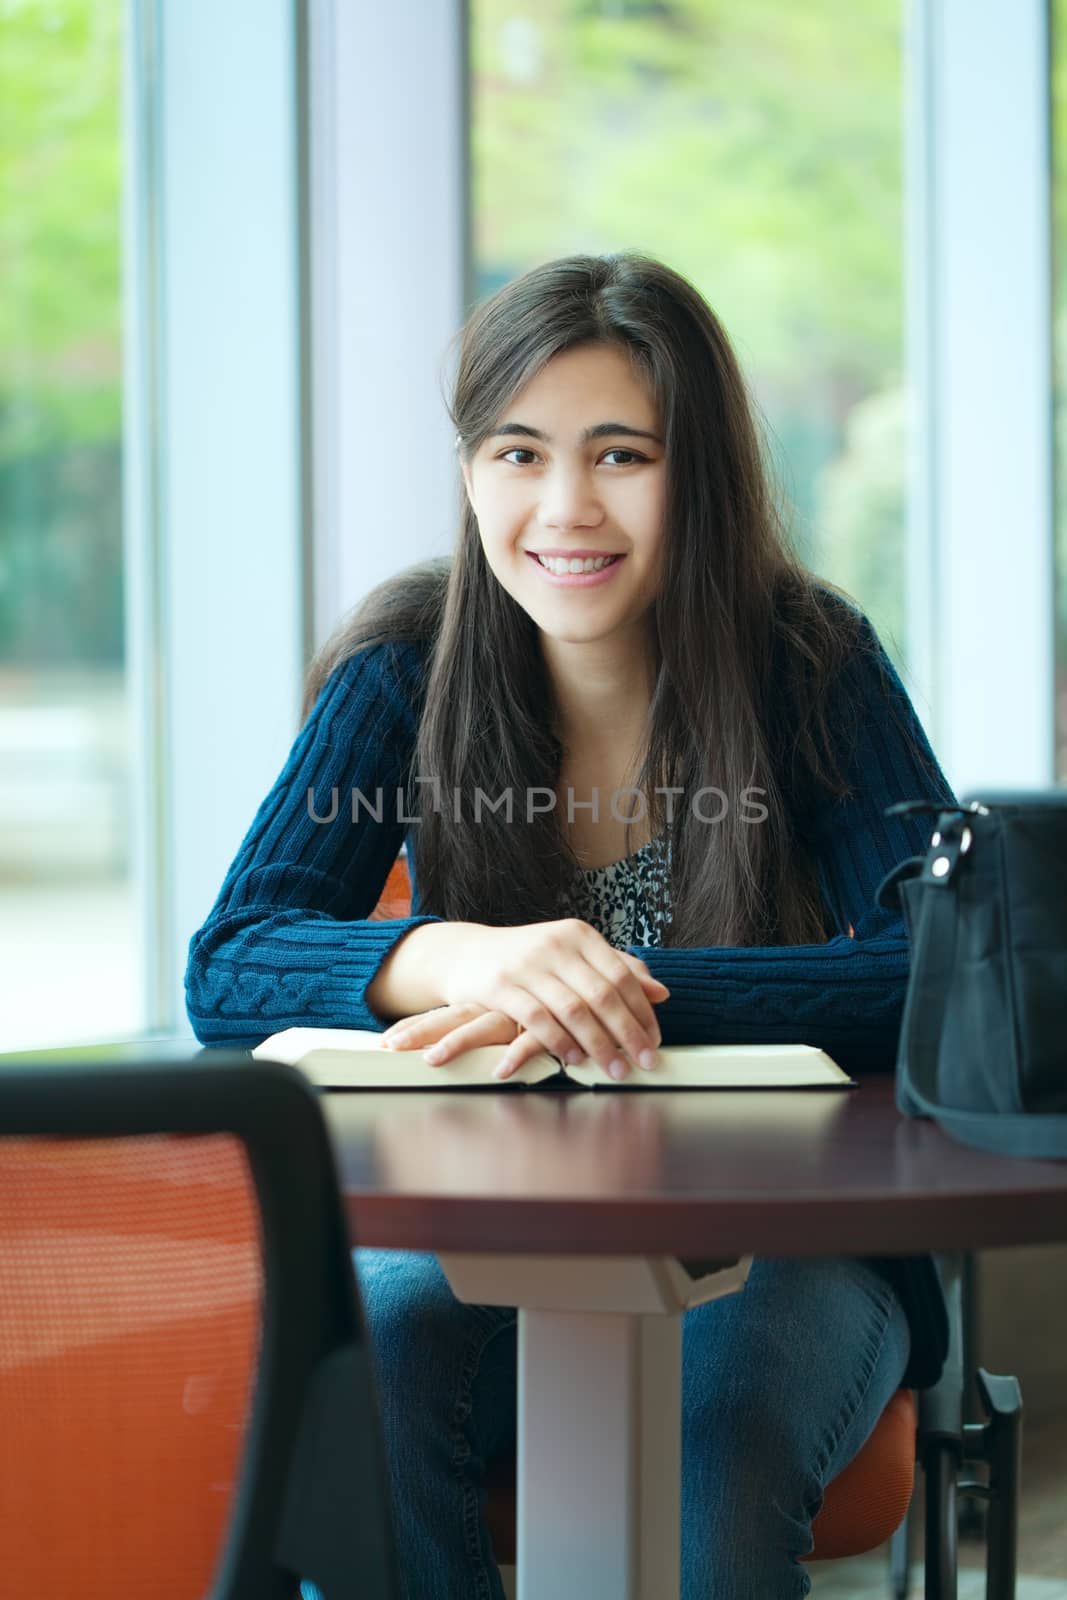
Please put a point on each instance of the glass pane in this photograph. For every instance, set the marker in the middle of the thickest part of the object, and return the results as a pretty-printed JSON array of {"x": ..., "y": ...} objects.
[
  {"x": 1059, "y": 325},
  {"x": 757, "y": 149},
  {"x": 66, "y": 906}
]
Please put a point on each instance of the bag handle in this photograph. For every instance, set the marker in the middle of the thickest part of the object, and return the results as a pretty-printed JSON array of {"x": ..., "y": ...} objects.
[{"x": 932, "y": 914}]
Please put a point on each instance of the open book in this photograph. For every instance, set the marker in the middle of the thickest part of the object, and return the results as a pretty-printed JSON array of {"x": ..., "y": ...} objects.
[{"x": 355, "y": 1058}]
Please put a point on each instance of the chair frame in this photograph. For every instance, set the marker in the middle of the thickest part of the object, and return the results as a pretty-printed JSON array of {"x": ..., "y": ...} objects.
[
  {"x": 946, "y": 1446},
  {"x": 311, "y": 1500}
]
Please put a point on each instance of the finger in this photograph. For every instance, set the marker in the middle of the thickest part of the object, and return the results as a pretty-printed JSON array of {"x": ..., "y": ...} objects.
[
  {"x": 643, "y": 975},
  {"x": 562, "y": 1021},
  {"x": 414, "y": 1032},
  {"x": 539, "y": 1019},
  {"x": 609, "y": 961},
  {"x": 544, "y": 1006},
  {"x": 619, "y": 1008},
  {"x": 491, "y": 1028},
  {"x": 403, "y": 1026},
  {"x": 581, "y": 1017},
  {"x": 569, "y": 1017},
  {"x": 525, "y": 1047},
  {"x": 621, "y": 1039}
]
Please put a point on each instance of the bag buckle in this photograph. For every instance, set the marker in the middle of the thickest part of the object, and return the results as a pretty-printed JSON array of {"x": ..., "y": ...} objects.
[
  {"x": 945, "y": 852},
  {"x": 948, "y": 842},
  {"x": 951, "y": 839}
]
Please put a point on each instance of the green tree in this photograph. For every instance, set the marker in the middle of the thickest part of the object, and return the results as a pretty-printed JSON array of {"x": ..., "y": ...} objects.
[
  {"x": 60, "y": 339},
  {"x": 756, "y": 148}
]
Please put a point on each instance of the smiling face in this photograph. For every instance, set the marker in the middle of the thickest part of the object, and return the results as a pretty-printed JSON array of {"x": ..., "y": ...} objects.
[{"x": 574, "y": 470}]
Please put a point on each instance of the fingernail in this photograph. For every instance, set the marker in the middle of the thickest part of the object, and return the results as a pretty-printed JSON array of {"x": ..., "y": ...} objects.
[
  {"x": 617, "y": 1068},
  {"x": 574, "y": 1057},
  {"x": 435, "y": 1053},
  {"x": 647, "y": 1058},
  {"x": 395, "y": 1039},
  {"x": 502, "y": 1071}
]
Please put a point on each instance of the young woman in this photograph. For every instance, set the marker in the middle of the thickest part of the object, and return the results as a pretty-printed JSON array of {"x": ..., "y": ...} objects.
[{"x": 699, "y": 740}]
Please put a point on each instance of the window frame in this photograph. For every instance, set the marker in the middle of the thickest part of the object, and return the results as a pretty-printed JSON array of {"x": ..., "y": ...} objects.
[
  {"x": 981, "y": 539},
  {"x": 298, "y": 485},
  {"x": 215, "y": 449}
]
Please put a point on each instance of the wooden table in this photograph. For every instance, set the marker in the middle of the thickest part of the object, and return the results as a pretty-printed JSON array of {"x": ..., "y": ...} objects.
[
  {"x": 576, "y": 1207},
  {"x": 804, "y": 1172}
]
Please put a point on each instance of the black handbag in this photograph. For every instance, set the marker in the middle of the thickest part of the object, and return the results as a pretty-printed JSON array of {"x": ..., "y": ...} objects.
[{"x": 983, "y": 1040}]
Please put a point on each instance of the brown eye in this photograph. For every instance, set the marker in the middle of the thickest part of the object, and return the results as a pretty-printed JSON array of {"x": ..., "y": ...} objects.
[{"x": 633, "y": 454}]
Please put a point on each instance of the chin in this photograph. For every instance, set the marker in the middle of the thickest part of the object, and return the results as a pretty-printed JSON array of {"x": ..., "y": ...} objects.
[{"x": 570, "y": 634}]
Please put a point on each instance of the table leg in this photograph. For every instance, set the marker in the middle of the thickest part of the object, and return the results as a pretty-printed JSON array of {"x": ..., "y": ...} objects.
[
  {"x": 599, "y": 1413},
  {"x": 599, "y": 1457}
]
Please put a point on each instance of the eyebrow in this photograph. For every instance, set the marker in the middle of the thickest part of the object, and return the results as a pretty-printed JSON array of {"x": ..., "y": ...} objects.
[{"x": 601, "y": 430}]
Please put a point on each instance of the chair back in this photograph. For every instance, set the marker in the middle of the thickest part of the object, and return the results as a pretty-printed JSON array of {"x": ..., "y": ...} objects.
[
  {"x": 186, "y": 1394},
  {"x": 395, "y": 898},
  {"x": 131, "y": 1276}
]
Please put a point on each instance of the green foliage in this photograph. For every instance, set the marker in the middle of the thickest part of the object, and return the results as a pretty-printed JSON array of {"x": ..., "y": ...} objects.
[
  {"x": 754, "y": 147},
  {"x": 60, "y": 321},
  {"x": 757, "y": 149},
  {"x": 865, "y": 488}
]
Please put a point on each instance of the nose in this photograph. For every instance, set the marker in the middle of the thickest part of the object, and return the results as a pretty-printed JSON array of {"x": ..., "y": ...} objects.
[{"x": 569, "y": 500}]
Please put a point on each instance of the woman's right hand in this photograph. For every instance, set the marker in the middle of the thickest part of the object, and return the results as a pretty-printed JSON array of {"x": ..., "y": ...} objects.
[{"x": 562, "y": 982}]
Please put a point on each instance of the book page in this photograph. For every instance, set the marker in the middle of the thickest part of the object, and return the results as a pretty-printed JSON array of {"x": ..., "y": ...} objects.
[
  {"x": 355, "y": 1058},
  {"x": 724, "y": 1066}
]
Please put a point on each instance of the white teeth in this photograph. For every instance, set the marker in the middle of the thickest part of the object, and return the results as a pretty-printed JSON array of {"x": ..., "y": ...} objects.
[{"x": 560, "y": 564}]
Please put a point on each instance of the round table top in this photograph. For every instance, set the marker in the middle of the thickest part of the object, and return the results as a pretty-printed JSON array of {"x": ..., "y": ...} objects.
[
  {"x": 800, "y": 1172},
  {"x": 693, "y": 1172}
]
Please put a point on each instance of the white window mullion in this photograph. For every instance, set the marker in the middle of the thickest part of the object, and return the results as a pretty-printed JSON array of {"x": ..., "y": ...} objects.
[
  {"x": 141, "y": 524},
  {"x": 981, "y": 343},
  {"x": 389, "y": 264},
  {"x": 214, "y": 483}
]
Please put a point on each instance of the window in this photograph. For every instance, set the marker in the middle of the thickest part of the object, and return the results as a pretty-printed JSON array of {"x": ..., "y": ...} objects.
[
  {"x": 1059, "y": 324},
  {"x": 757, "y": 149},
  {"x": 66, "y": 907}
]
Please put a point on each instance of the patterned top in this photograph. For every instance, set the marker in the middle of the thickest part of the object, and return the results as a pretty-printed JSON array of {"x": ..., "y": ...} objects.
[{"x": 627, "y": 900}]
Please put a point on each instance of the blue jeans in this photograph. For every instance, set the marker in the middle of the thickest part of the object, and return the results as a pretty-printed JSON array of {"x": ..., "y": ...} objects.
[{"x": 781, "y": 1385}]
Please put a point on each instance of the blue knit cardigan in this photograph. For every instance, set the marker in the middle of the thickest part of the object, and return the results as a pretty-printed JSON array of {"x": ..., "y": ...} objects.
[{"x": 288, "y": 942}]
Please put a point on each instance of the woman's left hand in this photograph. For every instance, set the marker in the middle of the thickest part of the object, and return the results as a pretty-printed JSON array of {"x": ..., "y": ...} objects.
[{"x": 450, "y": 1030}]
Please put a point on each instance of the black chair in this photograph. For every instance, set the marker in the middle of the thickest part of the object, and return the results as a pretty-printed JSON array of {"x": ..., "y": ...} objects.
[
  {"x": 186, "y": 1384},
  {"x": 951, "y": 1451}
]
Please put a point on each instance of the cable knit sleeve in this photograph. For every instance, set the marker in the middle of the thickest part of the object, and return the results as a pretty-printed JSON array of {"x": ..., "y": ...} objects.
[
  {"x": 845, "y": 996},
  {"x": 287, "y": 942}
]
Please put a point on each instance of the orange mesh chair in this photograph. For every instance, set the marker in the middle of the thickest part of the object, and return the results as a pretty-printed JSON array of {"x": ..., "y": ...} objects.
[
  {"x": 868, "y": 1503},
  {"x": 186, "y": 1395},
  {"x": 395, "y": 898},
  {"x": 862, "y": 1507}
]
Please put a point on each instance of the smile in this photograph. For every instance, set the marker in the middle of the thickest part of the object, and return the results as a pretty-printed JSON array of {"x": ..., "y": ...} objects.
[{"x": 576, "y": 571}]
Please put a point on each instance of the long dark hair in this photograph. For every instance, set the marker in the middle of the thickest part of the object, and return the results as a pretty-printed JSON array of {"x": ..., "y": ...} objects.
[{"x": 748, "y": 640}]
